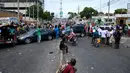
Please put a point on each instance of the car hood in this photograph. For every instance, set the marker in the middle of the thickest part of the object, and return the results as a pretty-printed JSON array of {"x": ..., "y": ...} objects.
[{"x": 24, "y": 35}]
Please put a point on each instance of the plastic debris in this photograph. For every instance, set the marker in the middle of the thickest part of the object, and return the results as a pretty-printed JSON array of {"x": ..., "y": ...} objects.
[
  {"x": 50, "y": 52},
  {"x": 20, "y": 53},
  {"x": 91, "y": 67},
  {"x": 8, "y": 50}
]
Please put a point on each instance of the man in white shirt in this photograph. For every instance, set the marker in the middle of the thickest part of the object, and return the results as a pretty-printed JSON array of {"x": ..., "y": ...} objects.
[
  {"x": 108, "y": 34},
  {"x": 103, "y": 36}
]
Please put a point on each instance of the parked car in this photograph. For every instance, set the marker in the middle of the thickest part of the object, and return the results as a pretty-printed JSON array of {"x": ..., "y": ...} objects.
[
  {"x": 31, "y": 36},
  {"x": 79, "y": 30}
]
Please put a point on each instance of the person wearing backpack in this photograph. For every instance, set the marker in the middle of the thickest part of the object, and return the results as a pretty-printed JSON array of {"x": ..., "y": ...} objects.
[{"x": 68, "y": 68}]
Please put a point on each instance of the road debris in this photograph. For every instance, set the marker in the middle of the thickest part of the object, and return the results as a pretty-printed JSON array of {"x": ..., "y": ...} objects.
[{"x": 91, "y": 67}]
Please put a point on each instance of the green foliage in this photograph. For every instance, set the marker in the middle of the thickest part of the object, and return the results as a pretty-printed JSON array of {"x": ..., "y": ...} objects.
[
  {"x": 88, "y": 12},
  {"x": 100, "y": 13},
  {"x": 121, "y": 11},
  {"x": 71, "y": 15},
  {"x": 35, "y": 11},
  {"x": 47, "y": 15},
  {"x": 42, "y": 15}
]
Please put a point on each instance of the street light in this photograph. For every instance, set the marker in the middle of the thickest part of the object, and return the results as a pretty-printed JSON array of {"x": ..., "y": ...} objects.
[
  {"x": 37, "y": 11},
  {"x": 108, "y": 10}
]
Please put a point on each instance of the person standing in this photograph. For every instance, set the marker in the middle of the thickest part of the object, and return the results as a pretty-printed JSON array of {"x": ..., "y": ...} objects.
[
  {"x": 94, "y": 36},
  {"x": 38, "y": 34},
  {"x": 57, "y": 31},
  {"x": 108, "y": 34},
  {"x": 117, "y": 36},
  {"x": 103, "y": 36}
]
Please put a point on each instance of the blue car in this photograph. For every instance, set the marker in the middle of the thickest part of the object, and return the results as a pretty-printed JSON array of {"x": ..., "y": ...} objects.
[{"x": 31, "y": 36}]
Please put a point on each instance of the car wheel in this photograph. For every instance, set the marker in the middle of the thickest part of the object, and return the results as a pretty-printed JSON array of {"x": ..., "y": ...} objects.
[
  {"x": 50, "y": 37},
  {"x": 28, "y": 41},
  {"x": 82, "y": 34}
]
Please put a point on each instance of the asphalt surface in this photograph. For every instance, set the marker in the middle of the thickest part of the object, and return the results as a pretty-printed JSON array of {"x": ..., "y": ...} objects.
[
  {"x": 45, "y": 58},
  {"x": 30, "y": 58},
  {"x": 99, "y": 60}
]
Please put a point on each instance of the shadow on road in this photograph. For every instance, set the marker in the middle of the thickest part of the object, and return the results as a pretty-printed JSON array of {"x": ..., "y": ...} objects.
[{"x": 5, "y": 46}]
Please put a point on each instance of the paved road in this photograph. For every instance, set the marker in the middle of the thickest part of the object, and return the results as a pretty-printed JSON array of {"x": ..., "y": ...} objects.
[
  {"x": 30, "y": 58},
  {"x": 99, "y": 60},
  {"x": 35, "y": 58}
]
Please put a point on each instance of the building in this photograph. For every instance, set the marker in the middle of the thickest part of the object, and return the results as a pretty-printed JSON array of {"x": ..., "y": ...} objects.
[
  {"x": 9, "y": 14},
  {"x": 12, "y": 5},
  {"x": 122, "y": 18},
  {"x": 104, "y": 19}
]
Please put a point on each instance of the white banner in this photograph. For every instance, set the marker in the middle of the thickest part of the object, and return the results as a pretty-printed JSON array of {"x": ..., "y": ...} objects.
[{"x": 128, "y": 8}]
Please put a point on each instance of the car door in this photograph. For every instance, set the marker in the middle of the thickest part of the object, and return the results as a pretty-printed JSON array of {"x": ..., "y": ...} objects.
[
  {"x": 34, "y": 36},
  {"x": 44, "y": 34},
  {"x": 78, "y": 28}
]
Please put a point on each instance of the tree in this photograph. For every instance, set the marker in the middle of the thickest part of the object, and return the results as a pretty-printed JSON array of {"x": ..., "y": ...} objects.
[
  {"x": 35, "y": 11},
  {"x": 42, "y": 15},
  {"x": 88, "y": 12},
  {"x": 48, "y": 15},
  {"x": 72, "y": 15},
  {"x": 100, "y": 13},
  {"x": 110, "y": 14},
  {"x": 121, "y": 11}
]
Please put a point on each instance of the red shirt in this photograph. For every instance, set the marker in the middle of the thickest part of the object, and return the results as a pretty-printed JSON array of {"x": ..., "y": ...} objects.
[{"x": 69, "y": 69}]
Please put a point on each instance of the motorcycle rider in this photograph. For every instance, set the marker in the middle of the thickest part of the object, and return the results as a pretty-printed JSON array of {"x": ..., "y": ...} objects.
[{"x": 71, "y": 36}]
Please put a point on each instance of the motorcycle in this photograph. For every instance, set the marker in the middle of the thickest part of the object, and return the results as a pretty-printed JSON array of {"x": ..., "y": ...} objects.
[{"x": 72, "y": 38}]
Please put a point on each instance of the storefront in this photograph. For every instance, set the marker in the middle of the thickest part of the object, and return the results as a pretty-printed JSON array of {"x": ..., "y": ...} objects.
[{"x": 122, "y": 18}]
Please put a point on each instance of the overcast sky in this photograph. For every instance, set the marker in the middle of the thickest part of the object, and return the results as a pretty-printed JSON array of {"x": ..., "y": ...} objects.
[{"x": 72, "y": 5}]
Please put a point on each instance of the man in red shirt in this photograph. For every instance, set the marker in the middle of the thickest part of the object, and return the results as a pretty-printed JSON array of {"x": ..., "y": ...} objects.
[{"x": 70, "y": 67}]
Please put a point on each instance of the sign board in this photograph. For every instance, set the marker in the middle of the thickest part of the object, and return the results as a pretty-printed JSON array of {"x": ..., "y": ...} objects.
[
  {"x": 128, "y": 8},
  {"x": 61, "y": 13}
]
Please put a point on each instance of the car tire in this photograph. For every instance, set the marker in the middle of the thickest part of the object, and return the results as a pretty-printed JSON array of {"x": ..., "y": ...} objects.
[
  {"x": 50, "y": 37},
  {"x": 27, "y": 41},
  {"x": 82, "y": 34}
]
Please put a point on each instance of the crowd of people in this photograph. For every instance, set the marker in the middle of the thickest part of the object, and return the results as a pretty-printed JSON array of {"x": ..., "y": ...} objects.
[{"x": 105, "y": 35}]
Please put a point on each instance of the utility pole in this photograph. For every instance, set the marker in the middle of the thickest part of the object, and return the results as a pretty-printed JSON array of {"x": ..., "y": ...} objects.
[
  {"x": 33, "y": 8},
  {"x": 61, "y": 12},
  {"x": 25, "y": 9},
  {"x": 18, "y": 10},
  {"x": 78, "y": 10},
  {"x": 29, "y": 9},
  {"x": 37, "y": 11},
  {"x": 108, "y": 10},
  {"x": 13, "y": 15},
  {"x": 100, "y": 6}
]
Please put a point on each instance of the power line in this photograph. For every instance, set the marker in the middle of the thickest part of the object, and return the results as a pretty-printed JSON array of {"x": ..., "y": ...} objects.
[{"x": 106, "y": 4}]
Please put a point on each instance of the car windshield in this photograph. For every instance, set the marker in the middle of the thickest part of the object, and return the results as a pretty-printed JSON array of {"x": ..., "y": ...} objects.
[{"x": 31, "y": 31}]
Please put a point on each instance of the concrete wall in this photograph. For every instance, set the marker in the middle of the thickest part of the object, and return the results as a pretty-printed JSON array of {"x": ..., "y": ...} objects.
[
  {"x": 8, "y": 14},
  {"x": 14, "y": 4}
]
